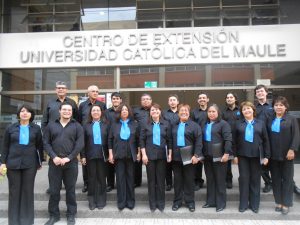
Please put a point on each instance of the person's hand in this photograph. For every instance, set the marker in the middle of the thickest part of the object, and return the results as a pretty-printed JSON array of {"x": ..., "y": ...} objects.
[
  {"x": 195, "y": 160},
  {"x": 3, "y": 169},
  {"x": 138, "y": 156},
  {"x": 145, "y": 159},
  {"x": 235, "y": 160},
  {"x": 64, "y": 161},
  {"x": 290, "y": 155},
  {"x": 111, "y": 158},
  {"x": 83, "y": 161},
  {"x": 225, "y": 158},
  {"x": 57, "y": 161},
  {"x": 169, "y": 159},
  {"x": 265, "y": 161}
]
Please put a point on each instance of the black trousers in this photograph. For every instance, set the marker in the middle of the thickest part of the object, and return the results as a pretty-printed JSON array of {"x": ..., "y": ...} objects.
[
  {"x": 169, "y": 176},
  {"x": 249, "y": 182},
  {"x": 282, "y": 173},
  {"x": 156, "y": 171},
  {"x": 68, "y": 175},
  {"x": 138, "y": 173},
  {"x": 265, "y": 173},
  {"x": 97, "y": 181},
  {"x": 85, "y": 175},
  {"x": 110, "y": 174},
  {"x": 216, "y": 182},
  {"x": 229, "y": 175},
  {"x": 198, "y": 173},
  {"x": 125, "y": 183},
  {"x": 184, "y": 183},
  {"x": 21, "y": 196}
]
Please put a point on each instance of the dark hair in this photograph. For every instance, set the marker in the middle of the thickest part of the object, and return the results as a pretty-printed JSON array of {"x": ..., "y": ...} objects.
[
  {"x": 173, "y": 95},
  {"x": 65, "y": 103},
  {"x": 146, "y": 94},
  {"x": 283, "y": 101},
  {"x": 184, "y": 106},
  {"x": 119, "y": 110},
  {"x": 116, "y": 94},
  {"x": 157, "y": 106},
  {"x": 218, "y": 110},
  {"x": 260, "y": 86},
  {"x": 29, "y": 109},
  {"x": 203, "y": 93},
  {"x": 90, "y": 118},
  {"x": 250, "y": 104},
  {"x": 234, "y": 95},
  {"x": 61, "y": 83}
]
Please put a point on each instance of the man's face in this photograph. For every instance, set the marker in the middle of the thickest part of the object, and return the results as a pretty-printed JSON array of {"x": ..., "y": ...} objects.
[
  {"x": 230, "y": 99},
  {"x": 146, "y": 101},
  {"x": 61, "y": 90},
  {"x": 116, "y": 101},
  {"x": 173, "y": 102},
  {"x": 65, "y": 112},
  {"x": 261, "y": 94},
  {"x": 203, "y": 100},
  {"x": 93, "y": 93}
]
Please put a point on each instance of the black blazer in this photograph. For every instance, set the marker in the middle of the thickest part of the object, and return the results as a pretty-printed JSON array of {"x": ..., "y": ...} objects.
[
  {"x": 259, "y": 147},
  {"x": 91, "y": 150},
  {"x": 220, "y": 133},
  {"x": 146, "y": 140},
  {"x": 192, "y": 136},
  {"x": 287, "y": 139},
  {"x": 120, "y": 146},
  {"x": 17, "y": 156}
]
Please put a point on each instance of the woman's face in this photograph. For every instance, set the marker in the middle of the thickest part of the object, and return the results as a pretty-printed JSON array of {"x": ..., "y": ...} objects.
[
  {"x": 247, "y": 111},
  {"x": 184, "y": 114},
  {"x": 25, "y": 115},
  {"x": 279, "y": 108},
  {"x": 124, "y": 112},
  {"x": 212, "y": 113},
  {"x": 155, "y": 112},
  {"x": 96, "y": 113}
]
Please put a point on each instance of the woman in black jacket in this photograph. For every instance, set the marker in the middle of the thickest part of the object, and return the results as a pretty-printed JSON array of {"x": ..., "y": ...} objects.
[
  {"x": 251, "y": 149},
  {"x": 155, "y": 143},
  {"x": 94, "y": 156},
  {"x": 22, "y": 155},
  {"x": 217, "y": 149},
  {"x": 123, "y": 152},
  {"x": 284, "y": 136}
]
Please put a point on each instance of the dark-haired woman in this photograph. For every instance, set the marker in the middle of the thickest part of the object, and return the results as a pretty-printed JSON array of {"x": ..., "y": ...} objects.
[
  {"x": 251, "y": 149},
  {"x": 123, "y": 145},
  {"x": 155, "y": 143},
  {"x": 217, "y": 147},
  {"x": 284, "y": 136},
  {"x": 94, "y": 156},
  {"x": 22, "y": 155}
]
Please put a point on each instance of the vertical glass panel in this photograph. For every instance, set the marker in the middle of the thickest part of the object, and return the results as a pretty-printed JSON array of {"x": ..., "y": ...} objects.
[
  {"x": 207, "y": 22},
  {"x": 234, "y": 2},
  {"x": 178, "y": 14},
  {"x": 178, "y": 24},
  {"x": 150, "y": 24},
  {"x": 178, "y": 3},
  {"x": 206, "y": 3},
  {"x": 148, "y": 4},
  {"x": 235, "y": 22}
]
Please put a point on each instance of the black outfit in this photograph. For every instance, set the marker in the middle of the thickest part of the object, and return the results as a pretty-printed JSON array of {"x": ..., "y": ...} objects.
[
  {"x": 231, "y": 116},
  {"x": 282, "y": 170},
  {"x": 173, "y": 118},
  {"x": 141, "y": 115},
  {"x": 63, "y": 142},
  {"x": 110, "y": 115},
  {"x": 156, "y": 166},
  {"x": 264, "y": 112},
  {"x": 216, "y": 171},
  {"x": 96, "y": 155},
  {"x": 200, "y": 117},
  {"x": 249, "y": 155},
  {"x": 184, "y": 175},
  {"x": 125, "y": 154},
  {"x": 83, "y": 113},
  {"x": 22, "y": 162}
]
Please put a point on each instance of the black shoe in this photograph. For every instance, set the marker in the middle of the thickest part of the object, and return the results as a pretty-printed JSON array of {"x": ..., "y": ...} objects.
[
  {"x": 278, "y": 209},
  {"x": 254, "y": 210},
  {"x": 285, "y": 210},
  {"x": 208, "y": 206},
  {"x": 52, "y": 220},
  {"x": 175, "y": 207},
  {"x": 267, "y": 188},
  {"x": 152, "y": 210},
  {"x": 197, "y": 187},
  {"x": 109, "y": 189},
  {"x": 161, "y": 209},
  {"x": 242, "y": 210},
  {"x": 168, "y": 187},
  {"x": 296, "y": 190},
  {"x": 70, "y": 220},
  {"x": 137, "y": 185},
  {"x": 229, "y": 184},
  {"x": 220, "y": 209},
  {"x": 191, "y": 207},
  {"x": 48, "y": 191},
  {"x": 84, "y": 189}
]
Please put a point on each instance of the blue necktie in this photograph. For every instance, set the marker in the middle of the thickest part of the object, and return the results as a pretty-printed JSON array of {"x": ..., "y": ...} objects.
[
  {"x": 156, "y": 134},
  {"x": 180, "y": 135},
  {"x": 97, "y": 133},
  {"x": 24, "y": 135},
  {"x": 208, "y": 131},
  {"x": 276, "y": 125},
  {"x": 125, "y": 131},
  {"x": 249, "y": 132}
]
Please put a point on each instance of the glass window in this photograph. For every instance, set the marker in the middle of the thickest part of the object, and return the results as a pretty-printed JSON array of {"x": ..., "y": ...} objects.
[
  {"x": 178, "y": 14},
  {"x": 156, "y": 14},
  {"x": 178, "y": 3},
  {"x": 149, "y": 4},
  {"x": 234, "y": 2},
  {"x": 206, "y": 3},
  {"x": 207, "y": 22},
  {"x": 150, "y": 24},
  {"x": 178, "y": 24}
]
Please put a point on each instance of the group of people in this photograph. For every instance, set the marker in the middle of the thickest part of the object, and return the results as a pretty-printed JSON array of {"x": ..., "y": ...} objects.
[{"x": 260, "y": 138}]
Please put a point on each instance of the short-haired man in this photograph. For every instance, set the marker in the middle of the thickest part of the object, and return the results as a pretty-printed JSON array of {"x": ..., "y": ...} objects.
[
  {"x": 110, "y": 115},
  {"x": 171, "y": 115},
  {"x": 63, "y": 141},
  {"x": 83, "y": 113}
]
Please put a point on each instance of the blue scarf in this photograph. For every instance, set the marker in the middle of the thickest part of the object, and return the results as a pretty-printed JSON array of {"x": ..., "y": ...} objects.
[
  {"x": 125, "y": 131},
  {"x": 249, "y": 132},
  {"x": 208, "y": 131},
  {"x": 24, "y": 135},
  {"x": 276, "y": 125},
  {"x": 156, "y": 134},
  {"x": 97, "y": 133},
  {"x": 180, "y": 135}
]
